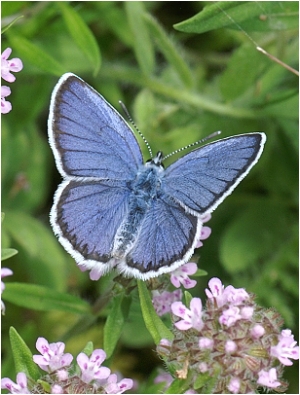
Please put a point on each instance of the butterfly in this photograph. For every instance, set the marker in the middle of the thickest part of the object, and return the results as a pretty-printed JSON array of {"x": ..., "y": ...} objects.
[{"x": 112, "y": 210}]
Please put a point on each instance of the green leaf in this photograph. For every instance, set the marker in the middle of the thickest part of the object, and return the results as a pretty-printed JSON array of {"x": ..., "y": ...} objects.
[
  {"x": 81, "y": 34},
  {"x": 143, "y": 47},
  {"x": 113, "y": 16},
  {"x": 37, "y": 297},
  {"x": 201, "y": 380},
  {"x": 7, "y": 253},
  {"x": 154, "y": 324},
  {"x": 170, "y": 51},
  {"x": 200, "y": 273},
  {"x": 188, "y": 297},
  {"x": 44, "y": 257},
  {"x": 22, "y": 356},
  {"x": 115, "y": 322},
  {"x": 29, "y": 52},
  {"x": 88, "y": 348},
  {"x": 246, "y": 61},
  {"x": 247, "y": 15},
  {"x": 178, "y": 386}
]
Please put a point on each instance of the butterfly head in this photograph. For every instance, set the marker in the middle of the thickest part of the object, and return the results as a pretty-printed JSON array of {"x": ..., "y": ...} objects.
[{"x": 156, "y": 160}]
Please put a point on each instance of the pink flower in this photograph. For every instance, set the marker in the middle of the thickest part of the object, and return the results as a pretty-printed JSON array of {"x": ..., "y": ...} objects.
[
  {"x": 114, "y": 387},
  {"x": 257, "y": 331},
  {"x": 234, "y": 385},
  {"x": 57, "y": 389},
  {"x": 162, "y": 302},
  {"x": 230, "y": 316},
  {"x": 286, "y": 348},
  {"x": 4, "y": 273},
  {"x": 268, "y": 379},
  {"x": 235, "y": 296},
  {"x": 247, "y": 312},
  {"x": 206, "y": 343},
  {"x": 91, "y": 368},
  {"x": 7, "y": 66},
  {"x": 19, "y": 388},
  {"x": 203, "y": 367},
  {"x": 215, "y": 291},
  {"x": 190, "y": 318},
  {"x": 180, "y": 275},
  {"x": 205, "y": 231},
  {"x": 230, "y": 295},
  {"x": 52, "y": 357},
  {"x": 230, "y": 346},
  {"x": 6, "y": 106}
]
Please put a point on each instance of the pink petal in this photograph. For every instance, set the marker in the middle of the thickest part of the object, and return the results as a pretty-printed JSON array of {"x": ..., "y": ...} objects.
[
  {"x": 15, "y": 65},
  {"x": 175, "y": 281},
  {"x": 183, "y": 325},
  {"x": 179, "y": 309},
  {"x": 190, "y": 268},
  {"x": 6, "y": 53},
  {"x": 188, "y": 283},
  {"x": 42, "y": 345}
]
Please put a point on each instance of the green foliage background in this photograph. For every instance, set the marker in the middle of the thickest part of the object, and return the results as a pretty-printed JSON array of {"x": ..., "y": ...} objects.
[{"x": 182, "y": 75}]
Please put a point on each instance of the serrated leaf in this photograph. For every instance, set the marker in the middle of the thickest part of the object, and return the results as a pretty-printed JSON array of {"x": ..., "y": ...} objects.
[
  {"x": 22, "y": 355},
  {"x": 37, "y": 297},
  {"x": 115, "y": 322},
  {"x": 247, "y": 15},
  {"x": 143, "y": 47},
  {"x": 7, "y": 253},
  {"x": 154, "y": 324},
  {"x": 29, "y": 52},
  {"x": 81, "y": 34}
]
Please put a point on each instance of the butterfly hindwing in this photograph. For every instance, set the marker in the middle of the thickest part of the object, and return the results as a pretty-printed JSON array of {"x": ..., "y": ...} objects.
[
  {"x": 88, "y": 136},
  {"x": 166, "y": 240},
  {"x": 202, "y": 179}
]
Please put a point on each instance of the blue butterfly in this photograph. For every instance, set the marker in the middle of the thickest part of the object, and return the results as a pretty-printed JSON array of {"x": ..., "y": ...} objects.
[{"x": 114, "y": 210}]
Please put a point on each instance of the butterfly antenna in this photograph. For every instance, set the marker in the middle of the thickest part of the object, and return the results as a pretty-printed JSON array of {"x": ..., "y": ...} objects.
[
  {"x": 135, "y": 127},
  {"x": 211, "y": 136}
]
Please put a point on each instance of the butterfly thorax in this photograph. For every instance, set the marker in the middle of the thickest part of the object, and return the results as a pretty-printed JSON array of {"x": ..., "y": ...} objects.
[{"x": 145, "y": 189}]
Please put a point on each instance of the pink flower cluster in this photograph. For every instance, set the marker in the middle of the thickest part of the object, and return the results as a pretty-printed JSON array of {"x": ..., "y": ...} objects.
[
  {"x": 93, "y": 377},
  {"x": 230, "y": 335},
  {"x": 7, "y": 67}
]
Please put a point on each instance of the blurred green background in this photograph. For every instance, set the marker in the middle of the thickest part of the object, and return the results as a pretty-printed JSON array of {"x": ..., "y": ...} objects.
[{"x": 179, "y": 84}]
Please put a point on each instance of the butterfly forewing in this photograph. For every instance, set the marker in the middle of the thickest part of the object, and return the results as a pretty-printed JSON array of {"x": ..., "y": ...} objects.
[
  {"x": 89, "y": 138},
  {"x": 202, "y": 179}
]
